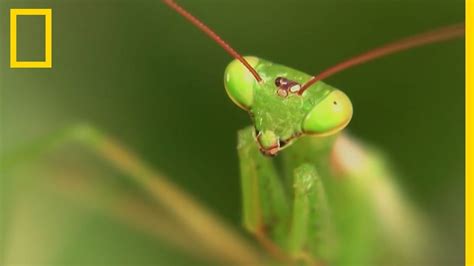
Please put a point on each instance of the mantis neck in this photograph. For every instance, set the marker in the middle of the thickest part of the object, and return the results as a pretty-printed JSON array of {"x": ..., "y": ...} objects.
[{"x": 308, "y": 150}]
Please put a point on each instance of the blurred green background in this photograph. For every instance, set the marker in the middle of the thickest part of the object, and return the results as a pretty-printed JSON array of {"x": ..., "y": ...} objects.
[{"x": 144, "y": 75}]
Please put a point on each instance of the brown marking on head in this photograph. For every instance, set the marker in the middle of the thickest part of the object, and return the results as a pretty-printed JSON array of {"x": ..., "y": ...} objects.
[{"x": 286, "y": 86}]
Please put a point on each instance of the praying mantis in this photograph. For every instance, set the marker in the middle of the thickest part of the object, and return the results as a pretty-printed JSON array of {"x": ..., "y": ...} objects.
[
  {"x": 332, "y": 201},
  {"x": 297, "y": 212}
]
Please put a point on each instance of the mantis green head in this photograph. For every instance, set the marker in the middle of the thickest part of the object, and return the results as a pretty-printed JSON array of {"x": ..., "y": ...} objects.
[{"x": 281, "y": 111}]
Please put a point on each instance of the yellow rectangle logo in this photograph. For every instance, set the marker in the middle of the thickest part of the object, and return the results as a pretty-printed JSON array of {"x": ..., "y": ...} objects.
[{"x": 47, "y": 63}]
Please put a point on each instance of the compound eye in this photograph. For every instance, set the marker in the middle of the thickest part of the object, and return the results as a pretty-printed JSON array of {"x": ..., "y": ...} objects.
[
  {"x": 330, "y": 115},
  {"x": 239, "y": 82}
]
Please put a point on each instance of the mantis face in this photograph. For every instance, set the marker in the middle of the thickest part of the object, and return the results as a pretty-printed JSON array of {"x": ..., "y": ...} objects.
[{"x": 280, "y": 114}]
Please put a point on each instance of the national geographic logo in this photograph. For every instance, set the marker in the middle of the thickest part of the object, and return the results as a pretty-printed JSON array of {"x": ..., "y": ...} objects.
[{"x": 48, "y": 32}]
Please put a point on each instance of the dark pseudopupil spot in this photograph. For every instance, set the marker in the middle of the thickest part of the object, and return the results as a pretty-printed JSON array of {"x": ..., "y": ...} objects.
[{"x": 335, "y": 103}]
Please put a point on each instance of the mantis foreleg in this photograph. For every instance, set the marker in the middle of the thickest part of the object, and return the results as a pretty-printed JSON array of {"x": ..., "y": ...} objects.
[
  {"x": 265, "y": 206},
  {"x": 310, "y": 217}
]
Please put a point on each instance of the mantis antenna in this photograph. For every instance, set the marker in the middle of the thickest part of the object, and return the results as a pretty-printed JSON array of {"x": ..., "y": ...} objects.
[
  {"x": 199, "y": 24},
  {"x": 438, "y": 35}
]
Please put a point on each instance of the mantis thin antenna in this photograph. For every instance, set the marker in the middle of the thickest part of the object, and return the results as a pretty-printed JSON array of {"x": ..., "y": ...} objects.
[
  {"x": 196, "y": 22},
  {"x": 438, "y": 35}
]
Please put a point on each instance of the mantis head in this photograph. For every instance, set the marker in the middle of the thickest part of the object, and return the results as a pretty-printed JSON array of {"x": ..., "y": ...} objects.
[{"x": 280, "y": 110}]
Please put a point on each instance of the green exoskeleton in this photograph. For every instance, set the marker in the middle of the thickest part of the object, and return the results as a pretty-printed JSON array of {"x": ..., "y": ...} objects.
[
  {"x": 326, "y": 198},
  {"x": 331, "y": 199},
  {"x": 311, "y": 194}
]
